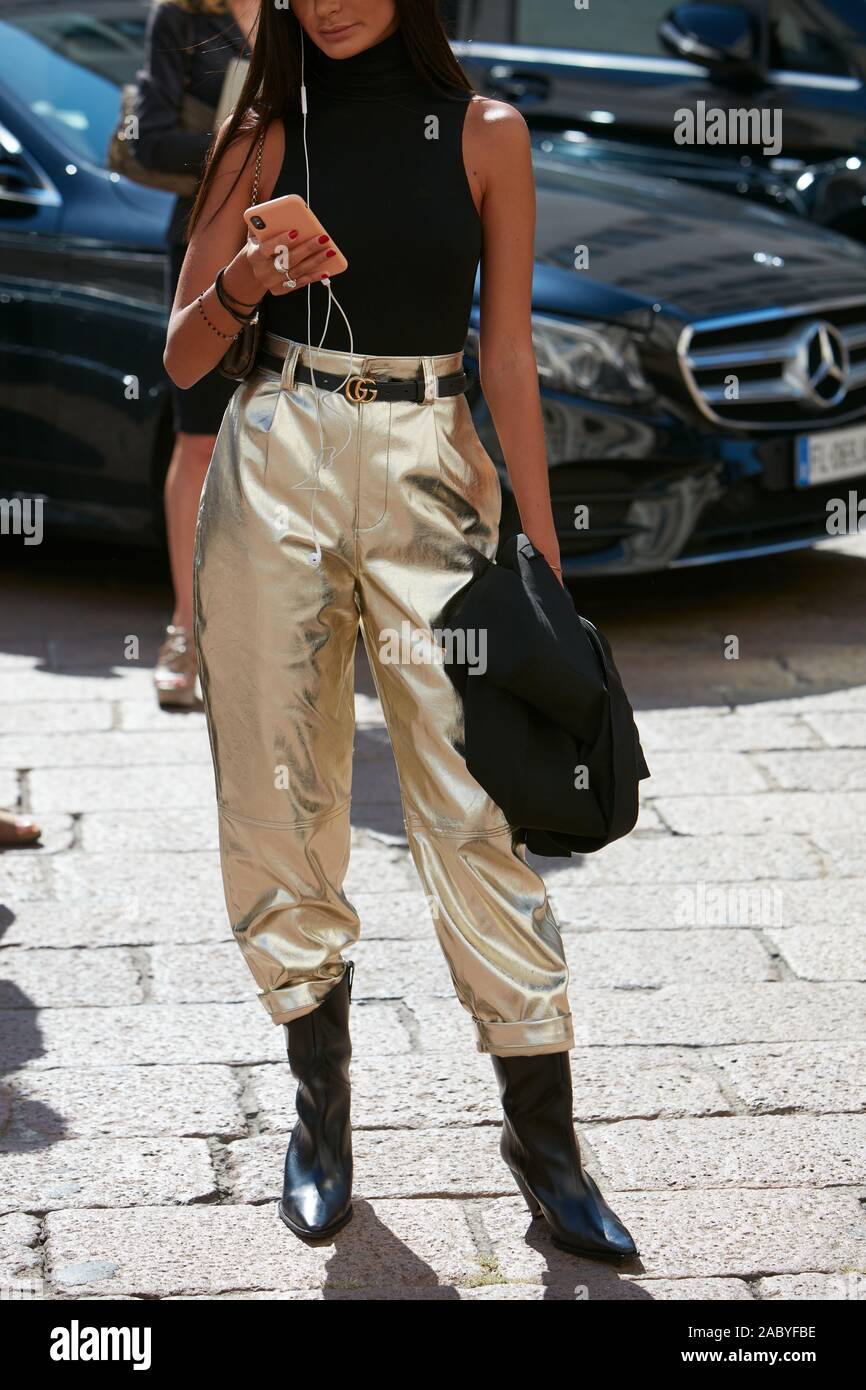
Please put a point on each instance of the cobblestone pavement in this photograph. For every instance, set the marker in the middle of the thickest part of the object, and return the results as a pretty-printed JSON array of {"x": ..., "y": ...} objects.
[{"x": 720, "y": 1066}]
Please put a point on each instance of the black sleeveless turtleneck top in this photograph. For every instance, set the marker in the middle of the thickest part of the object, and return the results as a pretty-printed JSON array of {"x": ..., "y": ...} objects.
[{"x": 388, "y": 183}]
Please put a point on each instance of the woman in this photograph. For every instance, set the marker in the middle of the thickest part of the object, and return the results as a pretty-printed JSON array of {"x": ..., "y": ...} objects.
[
  {"x": 299, "y": 544},
  {"x": 190, "y": 44}
]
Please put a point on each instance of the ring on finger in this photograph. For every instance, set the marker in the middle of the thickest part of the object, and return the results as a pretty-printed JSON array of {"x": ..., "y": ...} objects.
[{"x": 289, "y": 283}]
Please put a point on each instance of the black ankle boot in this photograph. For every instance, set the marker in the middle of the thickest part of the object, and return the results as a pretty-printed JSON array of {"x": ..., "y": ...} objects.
[
  {"x": 317, "y": 1188},
  {"x": 540, "y": 1147}
]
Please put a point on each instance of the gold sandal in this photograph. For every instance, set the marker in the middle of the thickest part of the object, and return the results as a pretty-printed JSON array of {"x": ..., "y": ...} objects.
[{"x": 176, "y": 670}]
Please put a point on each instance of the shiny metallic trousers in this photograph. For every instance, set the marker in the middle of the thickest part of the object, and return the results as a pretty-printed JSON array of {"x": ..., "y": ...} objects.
[{"x": 405, "y": 514}]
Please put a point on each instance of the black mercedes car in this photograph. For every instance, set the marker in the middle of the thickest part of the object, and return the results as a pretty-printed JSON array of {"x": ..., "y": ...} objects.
[
  {"x": 702, "y": 361},
  {"x": 657, "y": 84}
]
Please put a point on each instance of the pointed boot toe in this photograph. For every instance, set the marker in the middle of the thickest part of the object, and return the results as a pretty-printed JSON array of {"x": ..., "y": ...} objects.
[{"x": 540, "y": 1148}]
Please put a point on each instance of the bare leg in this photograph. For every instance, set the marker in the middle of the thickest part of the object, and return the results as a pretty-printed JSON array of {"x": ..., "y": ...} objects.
[{"x": 175, "y": 669}]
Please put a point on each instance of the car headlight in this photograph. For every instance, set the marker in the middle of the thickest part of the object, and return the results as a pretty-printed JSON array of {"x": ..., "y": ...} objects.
[{"x": 599, "y": 360}]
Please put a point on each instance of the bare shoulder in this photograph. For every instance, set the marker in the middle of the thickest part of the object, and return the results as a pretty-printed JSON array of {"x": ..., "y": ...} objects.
[
  {"x": 242, "y": 153},
  {"x": 497, "y": 137},
  {"x": 496, "y": 125}
]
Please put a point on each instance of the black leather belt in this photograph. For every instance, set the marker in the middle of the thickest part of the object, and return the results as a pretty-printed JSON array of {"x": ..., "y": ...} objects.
[{"x": 367, "y": 388}]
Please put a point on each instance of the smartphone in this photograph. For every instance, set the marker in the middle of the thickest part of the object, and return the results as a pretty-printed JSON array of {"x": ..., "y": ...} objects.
[{"x": 267, "y": 220}]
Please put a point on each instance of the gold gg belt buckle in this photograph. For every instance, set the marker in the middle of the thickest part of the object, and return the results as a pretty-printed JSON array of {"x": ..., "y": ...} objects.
[{"x": 360, "y": 388}]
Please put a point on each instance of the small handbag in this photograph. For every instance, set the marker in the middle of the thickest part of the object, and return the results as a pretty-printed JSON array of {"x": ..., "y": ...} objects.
[
  {"x": 195, "y": 116},
  {"x": 240, "y": 356}
]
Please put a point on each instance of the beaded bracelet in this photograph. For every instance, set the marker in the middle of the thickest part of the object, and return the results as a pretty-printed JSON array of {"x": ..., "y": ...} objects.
[{"x": 229, "y": 337}]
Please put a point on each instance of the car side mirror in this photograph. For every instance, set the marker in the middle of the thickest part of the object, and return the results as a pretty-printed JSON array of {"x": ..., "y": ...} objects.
[{"x": 719, "y": 37}]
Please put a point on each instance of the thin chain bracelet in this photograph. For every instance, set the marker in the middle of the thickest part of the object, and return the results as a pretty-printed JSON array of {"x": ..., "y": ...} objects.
[{"x": 229, "y": 337}]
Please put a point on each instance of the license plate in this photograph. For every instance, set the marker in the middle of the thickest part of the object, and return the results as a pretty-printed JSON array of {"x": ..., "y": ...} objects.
[{"x": 819, "y": 458}]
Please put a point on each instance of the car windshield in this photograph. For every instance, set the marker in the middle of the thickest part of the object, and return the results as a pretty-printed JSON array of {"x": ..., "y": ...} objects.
[{"x": 65, "y": 67}]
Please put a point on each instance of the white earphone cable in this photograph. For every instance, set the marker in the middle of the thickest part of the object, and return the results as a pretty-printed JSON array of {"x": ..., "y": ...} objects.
[{"x": 311, "y": 481}]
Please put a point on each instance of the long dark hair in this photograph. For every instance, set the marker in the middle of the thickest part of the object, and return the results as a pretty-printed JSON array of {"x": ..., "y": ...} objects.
[{"x": 273, "y": 85}]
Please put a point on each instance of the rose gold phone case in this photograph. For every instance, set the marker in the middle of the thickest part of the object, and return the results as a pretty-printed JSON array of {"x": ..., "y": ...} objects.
[{"x": 284, "y": 214}]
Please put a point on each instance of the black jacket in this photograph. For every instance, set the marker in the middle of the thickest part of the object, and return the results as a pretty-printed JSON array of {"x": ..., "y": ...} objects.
[
  {"x": 184, "y": 51},
  {"x": 548, "y": 729}
]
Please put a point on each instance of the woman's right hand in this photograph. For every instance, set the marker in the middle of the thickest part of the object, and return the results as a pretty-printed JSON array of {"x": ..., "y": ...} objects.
[{"x": 305, "y": 259}]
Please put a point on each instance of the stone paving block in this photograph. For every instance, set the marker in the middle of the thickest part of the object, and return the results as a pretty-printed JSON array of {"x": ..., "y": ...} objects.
[
  {"x": 144, "y": 716},
  {"x": 429, "y": 1090},
  {"x": 126, "y": 921},
  {"x": 390, "y": 1092},
  {"x": 845, "y": 697},
  {"x": 413, "y": 1163},
  {"x": 712, "y": 774},
  {"x": 648, "y": 819},
  {"x": 844, "y": 662},
  {"x": 646, "y": 960},
  {"x": 403, "y": 913},
  {"x": 845, "y": 853},
  {"x": 25, "y": 876},
  {"x": 723, "y": 1232},
  {"x": 839, "y": 730},
  {"x": 103, "y": 750},
  {"x": 723, "y": 731},
  {"x": 783, "y": 903},
  {"x": 154, "y": 788},
  {"x": 8, "y": 786},
  {"x": 732, "y": 1151},
  {"x": 824, "y": 770},
  {"x": 377, "y": 867},
  {"x": 837, "y": 953},
  {"x": 615, "y": 1287},
  {"x": 699, "y": 1016},
  {"x": 178, "y": 1101},
  {"x": 798, "y": 813},
  {"x": 706, "y": 858},
  {"x": 181, "y": 1035},
  {"x": 163, "y": 1252},
  {"x": 29, "y": 687},
  {"x": 169, "y": 882},
  {"x": 382, "y": 971},
  {"x": 694, "y": 1016},
  {"x": 57, "y": 717},
  {"x": 201, "y": 973},
  {"x": 108, "y": 1173},
  {"x": 846, "y": 1287},
  {"x": 173, "y": 830},
  {"x": 20, "y": 1257},
  {"x": 57, "y": 978},
  {"x": 828, "y": 1076}
]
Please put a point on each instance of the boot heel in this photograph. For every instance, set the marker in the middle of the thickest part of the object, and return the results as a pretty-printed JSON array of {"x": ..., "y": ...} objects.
[{"x": 534, "y": 1208}]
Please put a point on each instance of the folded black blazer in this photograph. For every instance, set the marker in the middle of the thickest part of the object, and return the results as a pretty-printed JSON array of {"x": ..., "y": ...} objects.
[{"x": 549, "y": 732}]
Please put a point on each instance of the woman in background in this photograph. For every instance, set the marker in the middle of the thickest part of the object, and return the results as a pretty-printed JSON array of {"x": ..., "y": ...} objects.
[{"x": 190, "y": 45}]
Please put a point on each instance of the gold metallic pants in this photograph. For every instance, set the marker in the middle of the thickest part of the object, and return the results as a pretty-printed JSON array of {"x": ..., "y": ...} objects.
[{"x": 404, "y": 514}]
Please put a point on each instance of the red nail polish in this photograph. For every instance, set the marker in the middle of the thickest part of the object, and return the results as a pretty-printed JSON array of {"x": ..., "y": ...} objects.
[
  {"x": 323, "y": 276},
  {"x": 324, "y": 238},
  {"x": 293, "y": 234},
  {"x": 329, "y": 253}
]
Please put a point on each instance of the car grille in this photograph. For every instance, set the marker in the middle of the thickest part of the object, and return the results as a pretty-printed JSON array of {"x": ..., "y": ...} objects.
[{"x": 795, "y": 367}]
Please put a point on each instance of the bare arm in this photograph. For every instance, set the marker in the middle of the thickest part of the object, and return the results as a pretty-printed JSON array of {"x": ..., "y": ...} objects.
[
  {"x": 194, "y": 345},
  {"x": 499, "y": 149}
]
